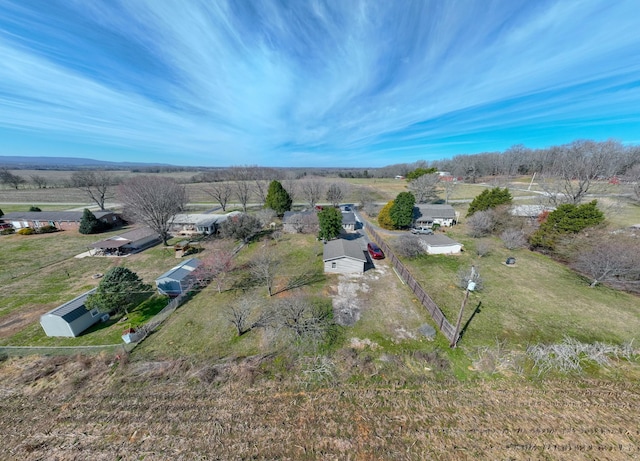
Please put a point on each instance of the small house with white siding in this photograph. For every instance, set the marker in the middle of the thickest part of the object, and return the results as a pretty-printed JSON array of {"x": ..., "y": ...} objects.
[
  {"x": 428, "y": 214},
  {"x": 343, "y": 256},
  {"x": 71, "y": 318},
  {"x": 348, "y": 221},
  {"x": 439, "y": 244},
  {"x": 178, "y": 279}
]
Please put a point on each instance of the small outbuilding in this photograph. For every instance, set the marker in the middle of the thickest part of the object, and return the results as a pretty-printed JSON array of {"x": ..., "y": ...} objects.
[
  {"x": 71, "y": 318},
  {"x": 348, "y": 221},
  {"x": 177, "y": 279},
  {"x": 126, "y": 243},
  {"x": 439, "y": 244},
  {"x": 300, "y": 222},
  {"x": 343, "y": 256}
]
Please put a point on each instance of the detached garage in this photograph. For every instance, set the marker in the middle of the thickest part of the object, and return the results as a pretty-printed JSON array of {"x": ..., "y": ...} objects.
[
  {"x": 342, "y": 256},
  {"x": 70, "y": 319},
  {"x": 439, "y": 244},
  {"x": 177, "y": 279}
]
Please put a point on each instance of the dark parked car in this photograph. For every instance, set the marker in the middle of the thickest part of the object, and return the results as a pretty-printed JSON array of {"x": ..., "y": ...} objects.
[{"x": 375, "y": 251}]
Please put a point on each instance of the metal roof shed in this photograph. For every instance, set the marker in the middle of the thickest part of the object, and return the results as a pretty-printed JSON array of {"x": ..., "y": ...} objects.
[
  {"x": 71, "y": 318},
  {"x": 177, "y": 279}
]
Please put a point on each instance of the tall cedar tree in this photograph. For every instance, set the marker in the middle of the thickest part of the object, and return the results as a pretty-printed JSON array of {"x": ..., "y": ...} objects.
[
  {"x": 330, "y": 223},
  {"x": 278, "y": 199},
  {"x": 384, "y": 216},
  {"x": 402, "y": 210},
  {"x": 118, "y": 291},
  {"x": 566, "y": 219},
  {"x": 490, "y": 198},
  {"x": 89, "y": 224},
  {"x": 415, "y": 174}
]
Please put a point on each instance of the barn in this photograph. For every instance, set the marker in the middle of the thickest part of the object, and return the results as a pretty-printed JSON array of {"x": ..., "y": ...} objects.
[
  {"x": 71, "y": 318},
  {"x": 177, "y": 279},
  {"x": 343, "y": 256}
]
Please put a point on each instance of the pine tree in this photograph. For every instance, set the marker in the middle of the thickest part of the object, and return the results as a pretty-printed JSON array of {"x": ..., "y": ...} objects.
[
  {"x": 119, "y": 290},
  {"x": 401, "y": 212},
  {"x": 330, "y": 223},
  {"x": 278, "y": 199},
  {"x": 89, "y": 224},
  {"x": 490, "y": 198}
]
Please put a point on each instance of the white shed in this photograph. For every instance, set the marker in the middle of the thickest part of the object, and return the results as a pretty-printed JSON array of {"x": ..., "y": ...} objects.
[
  {"x": 342, "y": 256},
  {"x": 439, "y": 244},
  {"x": 71, "y": 318},
  {"x": 177, "y": 279}
]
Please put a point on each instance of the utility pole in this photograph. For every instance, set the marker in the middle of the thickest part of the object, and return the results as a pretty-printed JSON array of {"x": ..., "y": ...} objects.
[{"x": 471, "y": 285}]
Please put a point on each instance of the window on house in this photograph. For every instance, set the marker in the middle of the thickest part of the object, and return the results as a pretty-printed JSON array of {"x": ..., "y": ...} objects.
[
  {"x": 334, "y": 265},
  {"x": 94, "y": 312}
]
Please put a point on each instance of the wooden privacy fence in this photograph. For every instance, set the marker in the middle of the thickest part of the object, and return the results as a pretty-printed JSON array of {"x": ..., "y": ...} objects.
[{"x": 438, "y": 317}]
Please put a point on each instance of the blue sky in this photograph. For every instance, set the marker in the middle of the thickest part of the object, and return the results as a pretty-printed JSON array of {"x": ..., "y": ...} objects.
[{"x": 313, "y": 83}]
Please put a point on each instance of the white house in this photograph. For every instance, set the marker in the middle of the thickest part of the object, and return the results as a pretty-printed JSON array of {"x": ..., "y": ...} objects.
[
  {"x": 439, "y": 244},
  {"x": 427, "y": 214},
  {"x": 71, "y": 318},
  {"x": 199, "y": 223},
  {"x": 342, "y": 256},
  {"x": 177, "y": 279}
]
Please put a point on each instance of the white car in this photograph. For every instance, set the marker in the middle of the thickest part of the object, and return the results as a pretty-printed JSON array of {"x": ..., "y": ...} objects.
[{"x": 422, "y": 230}]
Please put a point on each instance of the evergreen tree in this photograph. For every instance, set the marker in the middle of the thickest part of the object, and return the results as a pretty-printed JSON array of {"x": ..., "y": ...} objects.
[
  {"x": 415, "y": 174},
  {"x": 566, "y": 219},
  {"x": 330, "y": 223},
  {"x": 1, "y": 212},
  {"x": 89, "y": 224},
  {"x": 34, "y": 208},
  {"x": 384, "y": 216},
  {"x": 119, "y": 290},
  {"x": 278, "y": 199},
  {"x": 401, "y": 211},
  {"x": 490, "y": 198}
]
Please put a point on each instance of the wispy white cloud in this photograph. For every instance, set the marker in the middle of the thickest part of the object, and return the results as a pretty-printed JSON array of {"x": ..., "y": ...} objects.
[{"x": 318, "y": 82}]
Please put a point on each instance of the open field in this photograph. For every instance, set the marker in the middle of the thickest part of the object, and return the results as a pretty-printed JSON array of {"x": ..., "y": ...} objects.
[{"x": 104, "y": 409}]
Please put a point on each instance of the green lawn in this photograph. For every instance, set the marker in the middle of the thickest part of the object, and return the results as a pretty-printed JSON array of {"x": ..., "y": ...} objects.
[{"x": 537, "y": 300}]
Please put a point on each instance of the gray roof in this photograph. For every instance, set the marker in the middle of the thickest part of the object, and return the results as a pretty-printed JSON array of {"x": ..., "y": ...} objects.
[
  {"x": 341, "y": 248},
  {"x": 431, "y": 211},
  {"x": 182, "y": 270},
  {"x": 438, "y": 240},
  {"x": 117, "y": 241},
  {"x": 529, "y": 210},
  {"x": 73, "y": 309},
  {"x": 348, "y": 218},
  {"x": 202, "y": 219},
  {"x": 71, "y": 216}
]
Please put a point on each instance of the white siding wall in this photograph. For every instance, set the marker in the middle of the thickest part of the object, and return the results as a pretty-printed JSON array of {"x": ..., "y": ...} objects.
[
  {"x": 343, "y": 266},
  {"x": 444, "y": 250}
]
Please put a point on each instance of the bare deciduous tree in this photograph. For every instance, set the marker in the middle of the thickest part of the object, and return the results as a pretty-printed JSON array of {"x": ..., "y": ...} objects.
[
  {"x": 448, "y": 186},
  {"x": 95, "y": 184},
  {"x": 336, "y": 193},
  {"x": 266, "y": 216},
  {"x": 481, "y": 223},
  {"x": 13, "y": 180},
  {"x": 291, "y": 186},
  {"x": 424, "y": 188},
  {"x": 241, "y": 227},
  {"x": 408, "y": 246},
  {"x": 221, "y": 192},
  {"x": 613, "y": 260},
  {"x": 312, "y": 191},
  {"x": 483, "y": 248},
  {"x": 153, "y": 201},
  {"x": 264, "y": 268},
  {"x": 261, "y": 186},
  {"x": 303, "y": 317},
  {"x": 246, "y": 315},
  {"x": 39, "y": 181},
  {"x": 513, "y": 239},
  {"x": 241, "y": 177},
  {"x": 215, "y": 266}
]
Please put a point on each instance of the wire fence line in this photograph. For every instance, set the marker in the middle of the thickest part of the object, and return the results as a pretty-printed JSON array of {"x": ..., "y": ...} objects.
[{"x": 445, "y": 327}]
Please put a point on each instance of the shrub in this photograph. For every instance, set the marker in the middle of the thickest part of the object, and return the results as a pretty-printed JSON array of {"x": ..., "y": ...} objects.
[
  {"x": 47, "y": 229},
  {"x": 34, "y": 208},
  {"x": 25, "y": 231},
  {"x": 7, "y": 231},
  {"x": 513, "y": 239},
  {"x": 408, "y": 246}
]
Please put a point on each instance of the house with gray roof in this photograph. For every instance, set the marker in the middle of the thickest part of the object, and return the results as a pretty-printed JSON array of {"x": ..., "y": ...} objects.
[
  {"x": 126, "y": 243},
  {"x": 71, "y": 318},
  {"x": 178, "y": 279},
  {"x": 348, "y": 221},
  {"x": 428, "y": 214},
  {"x": 199, "y": 223},
  {"x": 63, "y": 220},
  {"x": 343, "y": 256}
]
